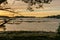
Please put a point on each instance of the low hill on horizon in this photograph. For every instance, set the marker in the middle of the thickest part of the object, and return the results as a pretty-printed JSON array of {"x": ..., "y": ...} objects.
[{"x": 55, "y": 16}]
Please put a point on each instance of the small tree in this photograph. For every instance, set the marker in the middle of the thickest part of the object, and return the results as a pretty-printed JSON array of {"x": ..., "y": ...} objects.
[
  {"x": 59, "y": 29},
  {"x": 58, "y": 37}
]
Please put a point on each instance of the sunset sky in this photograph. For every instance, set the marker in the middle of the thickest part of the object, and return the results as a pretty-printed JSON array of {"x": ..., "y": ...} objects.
[{"x": 49, "y": 9}]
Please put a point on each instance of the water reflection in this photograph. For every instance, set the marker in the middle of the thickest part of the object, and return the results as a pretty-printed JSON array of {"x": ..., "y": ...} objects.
[{"x": 33, "y": 24}]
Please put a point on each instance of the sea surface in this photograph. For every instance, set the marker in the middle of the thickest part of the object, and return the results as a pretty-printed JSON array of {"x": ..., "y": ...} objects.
[{"x": 33, "y": 24}]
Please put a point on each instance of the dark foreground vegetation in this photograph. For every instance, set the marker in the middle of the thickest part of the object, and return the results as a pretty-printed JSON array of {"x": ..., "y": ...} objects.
[
  {"x": 28, "y": 38},
  {"x": 28, "y": 35}
]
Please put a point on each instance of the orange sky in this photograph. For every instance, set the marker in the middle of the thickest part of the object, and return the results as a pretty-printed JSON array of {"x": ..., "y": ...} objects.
[
  {"x": 37, "y": 14},
  {"x": 48, "y": 10}
]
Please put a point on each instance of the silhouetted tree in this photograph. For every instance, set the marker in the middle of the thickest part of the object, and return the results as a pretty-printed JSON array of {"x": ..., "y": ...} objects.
[
  {"x": 59, "y": 29},
  {"x": 3, "y": 24},
  {"x": 4, "y": 2},
  {"x": 1, "y": 1},
  {"x": 34, "y": 2},
  {"x": 58, "y": 37}
]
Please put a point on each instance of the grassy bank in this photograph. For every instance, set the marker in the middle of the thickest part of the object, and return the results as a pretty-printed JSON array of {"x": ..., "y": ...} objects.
[{"x": 28, "y": 35}]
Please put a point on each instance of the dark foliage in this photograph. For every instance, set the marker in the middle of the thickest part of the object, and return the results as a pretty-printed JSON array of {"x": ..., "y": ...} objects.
[
  {"x": 58, "y": 29},
  {"x": 26, "y": 35},
  {"x": 57, "y": 16},
  {"x": 40, "y": 1},
  {"x": 24, "y": 16},
  {"x": 34, "y": 2},
  {"x": 58, "y": 37},
  {"x": 4, "y": 17},
  {"x": 1, "y": 1},
  {"x": 28, "y": 38}
]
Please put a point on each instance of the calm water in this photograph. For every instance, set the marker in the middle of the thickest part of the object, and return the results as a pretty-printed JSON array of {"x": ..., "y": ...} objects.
[{"x": 43, "y": 24}]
